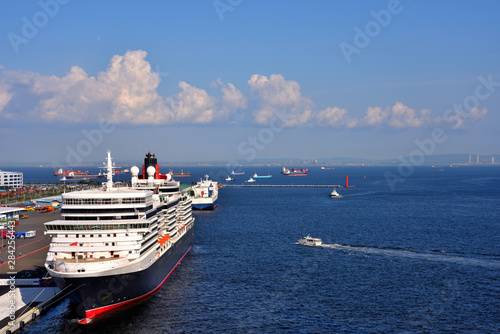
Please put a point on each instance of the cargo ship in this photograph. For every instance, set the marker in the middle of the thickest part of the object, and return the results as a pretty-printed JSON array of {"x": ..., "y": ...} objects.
[
  {"x": 205, "y": 194},
  {"x": 116, "y": 245},
  {"x": 77, "y": 175},
  {"x": 294, "y": 172},
  {"x": 181, "y": 174}
]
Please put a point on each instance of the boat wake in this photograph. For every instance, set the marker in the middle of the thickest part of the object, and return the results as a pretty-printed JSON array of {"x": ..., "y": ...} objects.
[
  {"x": 433, "y": 256},
  {"x": 366, "y": 193}
]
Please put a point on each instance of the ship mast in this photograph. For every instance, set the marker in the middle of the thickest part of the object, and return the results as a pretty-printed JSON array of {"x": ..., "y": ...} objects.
[{"x": 109, "y": 172}]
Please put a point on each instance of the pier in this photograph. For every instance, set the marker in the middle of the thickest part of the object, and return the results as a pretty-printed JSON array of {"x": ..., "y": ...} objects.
[{"x": 284, "y": 186}]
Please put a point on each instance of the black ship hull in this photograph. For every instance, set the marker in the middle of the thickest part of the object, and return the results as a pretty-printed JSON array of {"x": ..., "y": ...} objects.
[{"x": 100, "y": 294}]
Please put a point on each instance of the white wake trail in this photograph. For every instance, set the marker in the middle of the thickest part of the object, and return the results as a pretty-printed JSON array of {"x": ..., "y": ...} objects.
[{"x": 415, "y": 255}]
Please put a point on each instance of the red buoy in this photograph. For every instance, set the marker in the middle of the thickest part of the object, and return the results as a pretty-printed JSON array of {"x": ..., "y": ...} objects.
[{"x": 346, "y": 181}]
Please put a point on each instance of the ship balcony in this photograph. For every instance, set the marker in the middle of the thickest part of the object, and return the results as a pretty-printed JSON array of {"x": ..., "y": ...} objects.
[
  {"x": 184, "y": 216},
  {"x": 185, "y": 209},
  {"x": 66, "y": 248},
  {"x": 73, "y": 238},
  {"x": 170, "y": 220}
]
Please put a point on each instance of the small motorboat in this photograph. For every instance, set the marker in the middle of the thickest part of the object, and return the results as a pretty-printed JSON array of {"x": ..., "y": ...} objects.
[
  {"x": 310, "y": 241},
  {"x": 251, "y": 180},
  {"x": 228, "y": 178},
  {"x": 335, "y": 194}
]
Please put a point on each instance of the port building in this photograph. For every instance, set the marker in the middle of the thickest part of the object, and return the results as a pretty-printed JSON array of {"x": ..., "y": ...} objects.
[
  {"x": 11, "y": 179},
  {"x": 7, "y": 213},
  {"x": 49, "y": 201}
]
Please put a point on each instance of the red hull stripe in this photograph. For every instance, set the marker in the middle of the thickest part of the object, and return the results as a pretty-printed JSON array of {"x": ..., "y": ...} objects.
[{"x": 92, "y": 313}]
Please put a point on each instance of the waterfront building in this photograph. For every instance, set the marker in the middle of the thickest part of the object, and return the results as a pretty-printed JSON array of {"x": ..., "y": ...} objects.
[
  {"x": 11, "y": 179},
  {"x": 7, "y": 213}
]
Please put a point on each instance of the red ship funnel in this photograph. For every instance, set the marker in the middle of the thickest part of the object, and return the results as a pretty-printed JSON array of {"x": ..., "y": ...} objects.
[{"x": 346, "y": 181}]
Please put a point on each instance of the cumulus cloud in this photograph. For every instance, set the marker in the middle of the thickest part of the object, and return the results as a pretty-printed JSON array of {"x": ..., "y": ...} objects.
[
  {"x": 5, "y": 97},
  {"x": 402, "y": 117},
  {"x": 125, "y": 93},
  {"x": 193, "y": 105},
  {"x": 375, "y": 116},
  {"x": 232, "y": 98},
  {"x": 332, "y": 116},
  {"x": 460, "y": 119},
  {"x": 399, "y": 116},
  {"x": 275, "y": 94}
]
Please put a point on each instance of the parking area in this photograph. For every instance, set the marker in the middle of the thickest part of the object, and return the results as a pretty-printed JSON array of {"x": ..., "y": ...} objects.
[{"x": 31, "y": 252}]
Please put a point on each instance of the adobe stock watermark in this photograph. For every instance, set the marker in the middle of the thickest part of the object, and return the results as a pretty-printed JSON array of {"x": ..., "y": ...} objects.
[
  {"x": 253, "y": 144},
  {"x": 372, "y": 29},
  {"x": 427, "y": 146},
  {"x": 223, "y": 6},
  {"x": 93, "y": 138},
  {"x": 11, "y": 251},
  {"x": 30, "y": 26},
  {"x": 105, "y": 296},
  {"x": 425, "y": 316},
  {"x": 482, "y": 92},
  {"x": 85, "y": 147}
]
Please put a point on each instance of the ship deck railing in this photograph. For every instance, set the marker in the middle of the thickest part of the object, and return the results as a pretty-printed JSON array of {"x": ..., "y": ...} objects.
[{"x": 87, "y": 260}]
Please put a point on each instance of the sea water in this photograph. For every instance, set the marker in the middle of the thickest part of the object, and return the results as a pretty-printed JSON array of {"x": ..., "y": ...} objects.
[{"x": 420, "y": 255}]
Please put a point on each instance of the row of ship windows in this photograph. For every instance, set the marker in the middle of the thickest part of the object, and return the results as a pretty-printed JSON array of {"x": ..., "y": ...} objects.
[
  {"x": 100, "y": 217},
  {"x": 114, "y": 210},
  {"x": 96, "y": 227},
  {"x": 103, "y": 201}
]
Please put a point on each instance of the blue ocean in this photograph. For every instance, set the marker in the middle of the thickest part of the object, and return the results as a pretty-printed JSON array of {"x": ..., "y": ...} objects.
[{"x": 417, "y": 255}]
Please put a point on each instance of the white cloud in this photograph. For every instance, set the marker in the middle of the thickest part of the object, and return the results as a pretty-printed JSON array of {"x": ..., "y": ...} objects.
[
  {"x": 403, "y": 117},
  {"x": 275, "y": 94},
  {"x": 332, "y": 117},
  {"x": 398, "y": 116},
  {"x": 5, "y": 97},
  {"x": 375, "y": 116},
  {"x": 193, "y": 105},
  {"x": 125, "y": 93},
  {"x": 232, "y": 98},
  {"x": 476, "y": 114},
  {"x": 461, "y": 119}
]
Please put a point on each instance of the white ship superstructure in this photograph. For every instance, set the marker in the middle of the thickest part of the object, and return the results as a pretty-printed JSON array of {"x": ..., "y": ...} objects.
[{"x": 205, "y": 194}]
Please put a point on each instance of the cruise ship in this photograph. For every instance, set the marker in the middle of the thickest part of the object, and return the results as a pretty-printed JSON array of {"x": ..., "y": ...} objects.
[
  {"x": 116, "y": 245},
  {"x": 205, "y": 194}
]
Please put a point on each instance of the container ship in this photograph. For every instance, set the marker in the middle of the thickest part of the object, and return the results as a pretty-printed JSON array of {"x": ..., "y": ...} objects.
[
  {"x": 77, "y": 175},
  {"x": 294, "y": 172},
  {"x": 205, "y": 194},
  {"x": 118, "y": 244}
]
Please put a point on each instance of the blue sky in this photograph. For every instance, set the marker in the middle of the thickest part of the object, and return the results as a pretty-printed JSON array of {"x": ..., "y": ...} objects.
[{"x": 241, "y": 80}]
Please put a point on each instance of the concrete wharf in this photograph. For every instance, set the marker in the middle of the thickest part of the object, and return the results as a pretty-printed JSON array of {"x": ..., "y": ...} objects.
[{"x": 284, "y": 186}]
